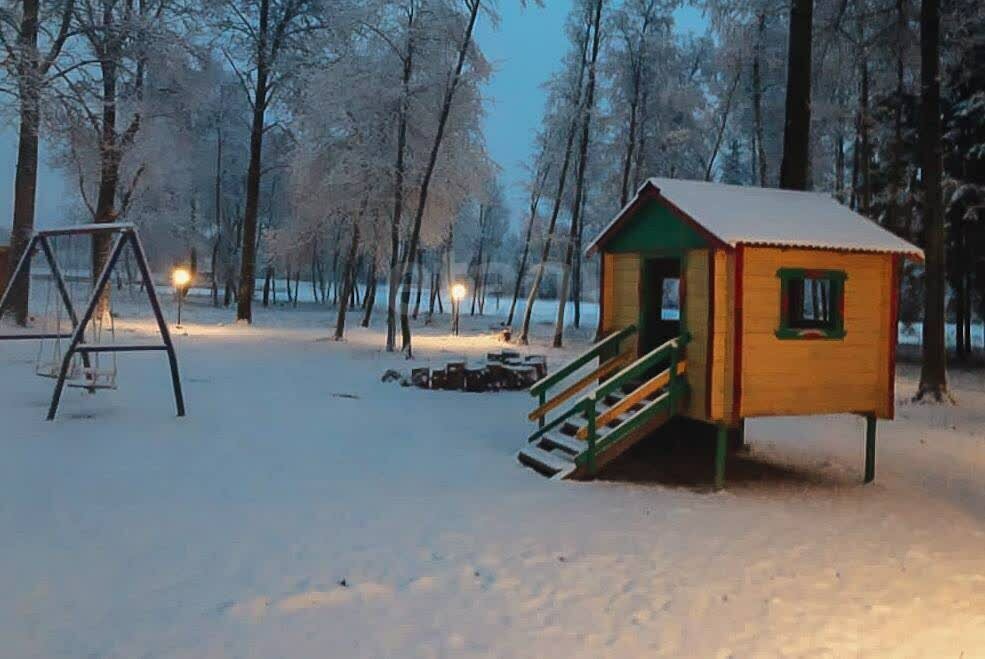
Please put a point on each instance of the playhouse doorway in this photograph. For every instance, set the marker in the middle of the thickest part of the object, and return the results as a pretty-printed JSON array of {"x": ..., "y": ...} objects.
[{"x": 660, "y": 302}]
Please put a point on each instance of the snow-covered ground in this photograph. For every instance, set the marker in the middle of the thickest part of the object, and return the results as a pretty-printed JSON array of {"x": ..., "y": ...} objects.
[{"x": 305, "y": 509}]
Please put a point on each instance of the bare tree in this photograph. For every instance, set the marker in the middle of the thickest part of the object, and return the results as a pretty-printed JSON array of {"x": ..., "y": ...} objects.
[
  {"x": 576, "y": 206},
  {"x": 268, "y": 43},
  {"x": 410, "y": 255},
  {"x": 536, "y": 192},
  {"x": 570, "y": 100}
]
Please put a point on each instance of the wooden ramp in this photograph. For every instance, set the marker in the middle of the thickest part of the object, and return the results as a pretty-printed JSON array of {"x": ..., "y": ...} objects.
[{"x": 610, "y": 416}]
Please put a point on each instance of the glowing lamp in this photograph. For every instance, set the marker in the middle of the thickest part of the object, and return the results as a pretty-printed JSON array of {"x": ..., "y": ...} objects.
[
  {"x": 180, "y": 277},
  {"x": 458, "y": 292}
]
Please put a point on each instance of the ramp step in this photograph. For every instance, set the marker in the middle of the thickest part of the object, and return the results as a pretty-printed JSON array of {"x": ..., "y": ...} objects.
[
  {"x": 543, "y": 462},
  {"x": 562, "y": 442}
]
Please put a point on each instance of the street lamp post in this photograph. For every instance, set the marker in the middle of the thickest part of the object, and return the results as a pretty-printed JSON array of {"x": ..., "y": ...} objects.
[
  {"x": 180, "y": 278},
  {"x": 457, "y": 295}
]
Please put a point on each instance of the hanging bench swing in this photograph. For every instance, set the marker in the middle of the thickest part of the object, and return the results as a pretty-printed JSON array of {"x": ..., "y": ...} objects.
[{"x": 81, "y": 352}]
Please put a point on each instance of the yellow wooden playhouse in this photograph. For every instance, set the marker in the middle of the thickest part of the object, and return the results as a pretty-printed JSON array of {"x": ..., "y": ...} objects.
[{"x": 720, "y": 303}]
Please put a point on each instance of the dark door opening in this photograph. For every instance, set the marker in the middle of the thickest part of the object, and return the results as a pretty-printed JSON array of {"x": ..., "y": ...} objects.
[{"x": 660, "y": 302}]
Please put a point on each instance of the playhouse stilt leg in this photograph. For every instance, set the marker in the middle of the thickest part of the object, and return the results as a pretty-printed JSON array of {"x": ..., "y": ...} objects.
[
  {"x": 870, "y": 448},
  {"x": 721, "y": 449}
]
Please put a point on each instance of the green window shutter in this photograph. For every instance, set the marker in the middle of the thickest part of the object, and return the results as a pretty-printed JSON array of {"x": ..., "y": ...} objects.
[{"x": 793, "y": 323}]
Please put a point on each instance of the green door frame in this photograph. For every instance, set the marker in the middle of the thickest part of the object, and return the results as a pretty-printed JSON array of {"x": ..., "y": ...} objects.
[{"x": 646, "y": 301}]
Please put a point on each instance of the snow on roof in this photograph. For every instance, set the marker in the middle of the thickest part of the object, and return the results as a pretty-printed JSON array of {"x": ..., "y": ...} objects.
[{"x": 767, "y": 216}]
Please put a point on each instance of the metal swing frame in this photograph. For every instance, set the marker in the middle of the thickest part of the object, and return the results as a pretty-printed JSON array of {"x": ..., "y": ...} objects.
[{"x": 125, "y": 234}]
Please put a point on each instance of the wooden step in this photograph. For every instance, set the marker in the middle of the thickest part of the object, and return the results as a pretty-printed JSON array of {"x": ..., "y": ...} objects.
[
  {"x": 562, "y": 443},
  {"x": 627, "y": 442},
  {"x": 545, "y": 463}
]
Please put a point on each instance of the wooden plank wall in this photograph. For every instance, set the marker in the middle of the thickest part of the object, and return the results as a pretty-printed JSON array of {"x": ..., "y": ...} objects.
[
  {"x": 724, "y": 326},
  {"x": 711, "y": 390},
  {"x": 696, "y": 317},
  {"x": 621, "y": 282},
  {"x": 782, "y": 377}
]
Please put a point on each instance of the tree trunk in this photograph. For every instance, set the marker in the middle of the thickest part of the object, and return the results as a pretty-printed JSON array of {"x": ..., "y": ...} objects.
[
  {"x": 933, "y": 373},
  {"x": 26, "y": 177},
  {"x": 371, "y": 275},
  {"x": 895, "y": 182},
  {"x": 865, "y": 156},
  {"x": 109, "y": 168},
  {"x": 370, "y": 300},
  {"x": 576, "y": 287},
  {"x": 217, "y": 202},
  {"x": 393, "y": 276},
  {"x": 336, "y": 251},
  {"x": 215, "y": 272},
  {"x": 856, "y": 148},
  {"x": 634, "y": 102},
  {"x": 757, "y": 103},
  {"x": 411, "y": 254},
  {"x": 420, "y": 283},
  {"x": 247, "y": 282},
  {"x": 709, "y": 169},
  {"x": 521, "y": 270},
  {"x": 794, "y": 169},
  {"x": 349, "y": 279},
  {"x": 477, "y": 261},
  {"x": 266, "y": 285},
  {"x": 485, "y": 287},
  {"x": 579, "y": 178}
]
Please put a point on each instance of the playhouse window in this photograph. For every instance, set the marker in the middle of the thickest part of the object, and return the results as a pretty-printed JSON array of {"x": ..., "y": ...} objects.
[
  {"x": 811, "y": 304},
  {"x": 670, "y": 299}
]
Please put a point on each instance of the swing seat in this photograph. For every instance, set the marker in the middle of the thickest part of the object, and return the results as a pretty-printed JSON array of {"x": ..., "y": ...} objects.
[
  {"x": 94, "y": 378},
  {"x": 53, "y": 369}
]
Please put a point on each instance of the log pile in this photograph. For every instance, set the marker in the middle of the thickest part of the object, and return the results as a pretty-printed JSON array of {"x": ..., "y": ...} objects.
[{"x": 501, "y": 371}]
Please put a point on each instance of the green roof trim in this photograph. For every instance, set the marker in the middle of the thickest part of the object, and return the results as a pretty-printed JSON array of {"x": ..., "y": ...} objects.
[{"x": 654, "y": 228}]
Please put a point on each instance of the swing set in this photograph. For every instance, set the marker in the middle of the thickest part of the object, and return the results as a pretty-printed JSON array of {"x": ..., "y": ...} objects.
[{"x": 81, "y": 352}]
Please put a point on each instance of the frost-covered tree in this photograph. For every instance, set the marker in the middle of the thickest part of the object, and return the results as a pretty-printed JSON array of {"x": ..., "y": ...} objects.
[
  {"x": 271, "y": 45},
  {"x": 464, "y": 47},
  {"x": 103, "y": 99},
  {"x": 33, "y": 35}
]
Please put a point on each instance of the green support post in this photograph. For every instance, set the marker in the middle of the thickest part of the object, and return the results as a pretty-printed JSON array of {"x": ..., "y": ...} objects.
[
  {"x": 870, "y": 448},
  {"x": 591, "y": 435},
  {"x": 542, "y": 398},
  {"x": 672, "y": 370},
  {"x": 721, "y": 449}
]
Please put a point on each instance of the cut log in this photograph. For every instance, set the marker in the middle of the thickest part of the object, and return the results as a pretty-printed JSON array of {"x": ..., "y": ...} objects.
[
  {"x": 421, "y": 377},
  {"x": 539, "y": 362},
  {"x": 439, "y": 380},
  {"x": 455, "y": 375},
  {"x": 476, "y": 379}
]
